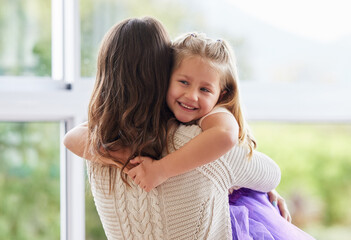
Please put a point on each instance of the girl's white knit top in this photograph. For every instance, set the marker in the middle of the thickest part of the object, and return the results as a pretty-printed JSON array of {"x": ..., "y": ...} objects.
[{"x": 193, "y": 205}]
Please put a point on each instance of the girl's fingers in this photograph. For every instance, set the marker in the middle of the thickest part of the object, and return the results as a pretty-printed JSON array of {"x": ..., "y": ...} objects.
[
  {"x": 137, "y": 181},
  {"x": 284, "y": 210},
  {"x": 126, "y": 170},
  {"x": 133, "y": 161},
  {"x": 278, "y": 201},
  {"x": 146, "y": 188},
  {"x": 131, "y": 173},
  {"x": 136, "y": 160},
  {"x": 273, "y": 198}
]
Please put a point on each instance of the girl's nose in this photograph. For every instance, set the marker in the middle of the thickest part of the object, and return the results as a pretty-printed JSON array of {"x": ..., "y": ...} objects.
[{"x": 191, "y": 95}]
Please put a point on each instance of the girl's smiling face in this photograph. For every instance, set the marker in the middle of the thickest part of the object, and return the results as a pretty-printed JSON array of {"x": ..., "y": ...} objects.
[{"x": 194, "y": 89}]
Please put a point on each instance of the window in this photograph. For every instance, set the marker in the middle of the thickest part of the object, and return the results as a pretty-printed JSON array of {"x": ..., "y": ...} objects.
[
  {"x": 30, "y": 180},
  {"x": 26, "y": 49},
  {"x": 30, "y": 62}
]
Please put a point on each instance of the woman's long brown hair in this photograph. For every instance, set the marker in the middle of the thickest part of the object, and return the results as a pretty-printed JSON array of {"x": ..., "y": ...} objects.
[{"x": 127, "y": 108}]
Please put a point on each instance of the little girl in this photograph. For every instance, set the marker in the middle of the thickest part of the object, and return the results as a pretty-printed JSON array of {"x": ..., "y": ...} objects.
[{"x": 204, "y": 90}]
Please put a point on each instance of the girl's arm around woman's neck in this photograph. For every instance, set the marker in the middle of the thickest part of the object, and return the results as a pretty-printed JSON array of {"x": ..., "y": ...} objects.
[{"x": 76, "y": 140}]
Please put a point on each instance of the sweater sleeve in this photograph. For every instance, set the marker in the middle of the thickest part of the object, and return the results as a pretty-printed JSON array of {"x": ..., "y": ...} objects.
[
  {"x": 235, "y": 169},
  {"x": 259, "y": 173}
]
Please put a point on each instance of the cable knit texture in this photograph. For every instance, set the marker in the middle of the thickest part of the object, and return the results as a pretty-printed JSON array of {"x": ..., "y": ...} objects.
[{"x": 193, "y": 205}]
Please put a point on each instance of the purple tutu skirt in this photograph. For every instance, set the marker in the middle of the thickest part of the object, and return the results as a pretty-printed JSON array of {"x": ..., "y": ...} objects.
[{"x": 254, "y": 217}]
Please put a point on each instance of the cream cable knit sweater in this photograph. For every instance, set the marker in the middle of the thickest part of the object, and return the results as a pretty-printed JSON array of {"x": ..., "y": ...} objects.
[{"x": 193, "y": 205}]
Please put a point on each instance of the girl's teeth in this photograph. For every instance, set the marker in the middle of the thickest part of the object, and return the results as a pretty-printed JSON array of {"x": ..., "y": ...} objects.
[{"x": 187, "y": 107}]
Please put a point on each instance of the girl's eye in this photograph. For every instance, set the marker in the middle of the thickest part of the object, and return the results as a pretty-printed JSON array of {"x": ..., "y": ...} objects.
[
  {"x": 184, "y": 82},
  {"x": 205, "y": 89}
]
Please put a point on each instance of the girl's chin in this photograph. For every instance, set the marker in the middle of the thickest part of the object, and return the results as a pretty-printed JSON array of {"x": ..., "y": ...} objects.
[{"x": 184, "y": 119}]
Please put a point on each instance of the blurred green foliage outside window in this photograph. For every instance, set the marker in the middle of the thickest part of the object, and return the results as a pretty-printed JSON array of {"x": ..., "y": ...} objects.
[
  {"x": 29, "y": 180},
  {"x": 25, "y": 43}
]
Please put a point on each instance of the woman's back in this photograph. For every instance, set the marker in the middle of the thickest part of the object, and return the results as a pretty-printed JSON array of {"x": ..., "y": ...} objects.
[
  {"x": 193, "y": 205},
  {"x": 178, "y": 209}
]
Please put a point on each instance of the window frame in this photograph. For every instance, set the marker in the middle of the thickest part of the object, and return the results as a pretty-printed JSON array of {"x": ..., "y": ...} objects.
[{"x": 62, "y": 97}]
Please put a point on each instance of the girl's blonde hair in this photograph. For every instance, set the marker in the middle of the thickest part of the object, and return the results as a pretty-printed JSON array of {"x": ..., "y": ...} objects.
[{"x": 220, "y": 56}]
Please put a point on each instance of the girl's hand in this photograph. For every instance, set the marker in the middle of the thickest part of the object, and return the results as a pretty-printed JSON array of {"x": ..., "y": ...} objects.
[
  {"x": 148, "y": 174},
  {"x": 277, "y": 200}
]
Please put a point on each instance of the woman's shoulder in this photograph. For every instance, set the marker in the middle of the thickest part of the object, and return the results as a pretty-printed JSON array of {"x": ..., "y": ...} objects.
[{"x": 187, "y": 131}]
